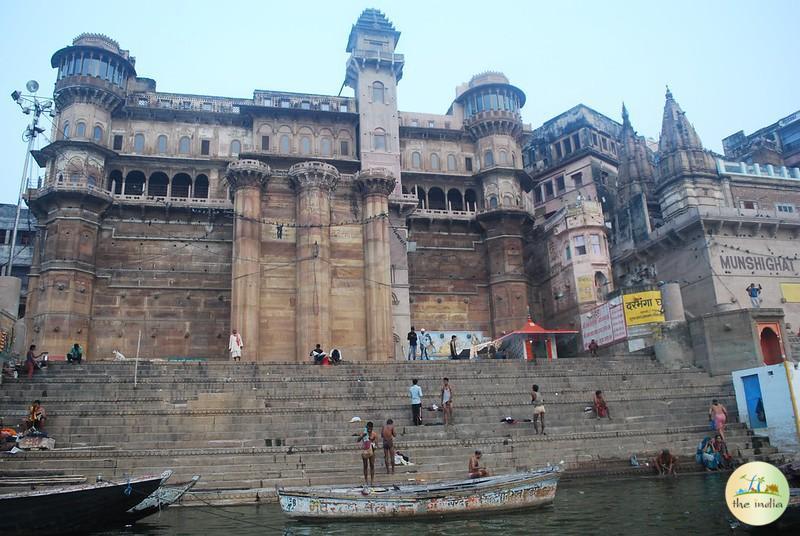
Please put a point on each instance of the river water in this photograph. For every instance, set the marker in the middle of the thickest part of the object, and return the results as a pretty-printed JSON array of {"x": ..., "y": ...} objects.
[{"x": 688, "y": 504}]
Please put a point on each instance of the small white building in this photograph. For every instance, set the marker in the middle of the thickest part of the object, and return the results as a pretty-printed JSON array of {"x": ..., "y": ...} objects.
[{"x": 765, "y": 405}]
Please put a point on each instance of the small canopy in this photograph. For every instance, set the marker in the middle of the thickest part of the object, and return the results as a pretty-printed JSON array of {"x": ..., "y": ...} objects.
[
  {"x": 513, "y": 346},
  {"x": 532, "y": 328}
]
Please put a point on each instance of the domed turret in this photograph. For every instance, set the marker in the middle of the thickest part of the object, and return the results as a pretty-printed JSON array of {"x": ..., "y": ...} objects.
[
  {"x": 491, "y": 105},
  {"x": 93, "y": 70}
]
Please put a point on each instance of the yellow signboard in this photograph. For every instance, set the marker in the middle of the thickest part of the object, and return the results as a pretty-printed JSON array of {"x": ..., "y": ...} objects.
[
  {"x": 791, "y": 292},
  {"x": 586, "y": 289},
  {"x": 643, "y": 307}
]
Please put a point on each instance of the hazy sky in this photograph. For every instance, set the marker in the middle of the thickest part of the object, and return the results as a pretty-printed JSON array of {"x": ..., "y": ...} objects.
[{"x": 731, "y": 65}]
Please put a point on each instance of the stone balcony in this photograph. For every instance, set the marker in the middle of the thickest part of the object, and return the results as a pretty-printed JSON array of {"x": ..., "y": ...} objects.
[
  {"x": 153, "y": 200},
  {"x": 436, "y": 214}
]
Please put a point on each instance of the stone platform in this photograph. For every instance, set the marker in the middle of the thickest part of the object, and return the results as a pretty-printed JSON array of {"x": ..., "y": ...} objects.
[{"x": 247, "y": 428}]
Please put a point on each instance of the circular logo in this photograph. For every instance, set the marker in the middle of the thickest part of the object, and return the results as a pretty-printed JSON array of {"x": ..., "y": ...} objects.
[{"x": 757, "y": 493}]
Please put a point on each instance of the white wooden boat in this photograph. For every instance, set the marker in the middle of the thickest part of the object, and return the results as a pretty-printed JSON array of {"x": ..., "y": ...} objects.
[{"x": 478, "y": 495}]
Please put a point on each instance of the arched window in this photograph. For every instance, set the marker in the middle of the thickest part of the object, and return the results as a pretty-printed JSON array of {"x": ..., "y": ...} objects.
[
  {"x": 97, "y": 134},
  {"x": 284, "y": 145},
  {"x": 492, "y": 202},
  {"x": 326, "y": 147},
  {"x": 236, "y": 147},
  {"x": 436, "y": 199},
  {"x": 185, "y": 145},
  {"x": 66, "y": 131},
  {"x": 379, "y": 140},
  {"x": 451, "y": 162},
  {"x": 200, "y": 187},
  {"x": 161, "y": 144},
  {"x": 421, "y": 197},
  {"x": 378, "y": 93},
  {"x": 138, "y": 143},
  {"x": 157, "y": 185},
  {"x": 454, "y": 200},
  {"x": 305, "y": 145},
  {"x": 488, "y": 159},
  {"x": 115, "y": 182},
  {"x": 80, "y": 130},
  {"x": 503, "y": 157},
  {"x": 416, "y": 160},
  {"x": 470, "y": 200},
  {"x": 434, "y": 161},
  {"x": 134, "y": 183},
  {"x": 181, "y": 184},
  {"x": 513, "y": 160}
]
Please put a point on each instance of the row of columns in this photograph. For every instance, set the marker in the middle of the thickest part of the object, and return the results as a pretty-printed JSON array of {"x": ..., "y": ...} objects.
[{"x": 314, "y": 182}]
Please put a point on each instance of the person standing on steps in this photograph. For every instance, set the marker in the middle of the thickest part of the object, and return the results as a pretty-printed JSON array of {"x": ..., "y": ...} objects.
[
  {"x": 416, "y": 402},
  {"x": 425, "y": 341},
  {"x": 367, "y": 441},
  {"x": 593, "y": 346},
  {"x": 412, "y": 345},
  {"x": 755, "y": 294},
  {"x": 600, "y": 406},
  {"x": 538, "y": 409},
  {"x": 235, "y": 345},
  {"x": 388, "y": 434},
  {"x": 453, "y": 348},
  {"x": 447, "y": 401},
  {"x": 718, "y": 416}
]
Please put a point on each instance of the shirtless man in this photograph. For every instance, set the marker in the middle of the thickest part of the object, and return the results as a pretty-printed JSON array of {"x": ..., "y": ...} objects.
[
  {"x": 447, "y": 401},
  {"x": 388, "y": 434},
  {"x": 367, "y": 441},
  {"x": 665, "y": 463},
  {"x": 719, "y": 416},
  {"x": 476, "y": 470}
]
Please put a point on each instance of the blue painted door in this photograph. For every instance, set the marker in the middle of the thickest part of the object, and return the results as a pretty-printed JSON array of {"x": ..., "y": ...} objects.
[{"x": 755, "y": 403}]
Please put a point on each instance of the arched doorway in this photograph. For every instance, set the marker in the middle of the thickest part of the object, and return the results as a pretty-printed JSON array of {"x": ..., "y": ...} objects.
[{"x": 770, "y": 346}]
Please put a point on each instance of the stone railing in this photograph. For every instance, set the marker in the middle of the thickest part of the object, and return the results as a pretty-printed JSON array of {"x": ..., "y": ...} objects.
[
  {"x": 176, "y": 101},
  {"x": 379, "y": 55},
  {"x": 322, "y": 103},
  {"x": 144, "y": 199},
  {"x": 68, "y": 186},
  {"x": 757, "y": 170},
  {"x": 439, "y": 214}
]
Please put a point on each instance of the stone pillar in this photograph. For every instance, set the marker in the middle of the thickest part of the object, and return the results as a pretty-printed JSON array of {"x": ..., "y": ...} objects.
[
  {"x": 508, "y": 284},
  {"x": 672, "y": 302},
  {"x": 314, "y": 182},
  {"x": 246, "y": 179},
  {"x": 375, "y": 185}
]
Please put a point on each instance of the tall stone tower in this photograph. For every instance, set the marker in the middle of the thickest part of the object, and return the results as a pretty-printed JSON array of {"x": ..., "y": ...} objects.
[
  {"x": 687, "y": 174},
  {"x": 373, "y": 71},
  {"x": 93, "y": 75},
  {"x": 637, "y": 209},
  {"x": 492, "y": 118}
]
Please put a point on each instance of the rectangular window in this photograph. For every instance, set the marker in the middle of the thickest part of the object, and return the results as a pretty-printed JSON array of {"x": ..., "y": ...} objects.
[
  {"x": 750, "y": 205},
  {"x": 207, "y": 106},
  {"x": 567, "y": 146},
  {"x": 343, "y": 107},
  {"x": 594, "y": 139},
  {"x": 186, "y": 105},
  {"x": 344, "y": 148},
  {"x": 305, "y": 105},
  {"x": 576, "y": 141},
  {"x": 559, "y": 154},
  {"x": 537, "y": 194},
  {"x": 468, "y": 163},
  {"x": 784, "y": 207},
  {"x": 594, "y": 240},
  {"x": 285, "y": 103},
  {"x": 580, "y": 245},
  {"x": 560, "y": 186},
  {"x": 205, "y": 147},
  {"x": 567, "y": 253},
  {"x": 265, "y": 143},
  {"x": 325, "y": 107},
  {"x": 604, "y": 143},
  {"x": 268, "y": 101},
  {"x": 414, "y": 123},
  {"x": 548, "y": 189},
  {"x": 613, "y": 147},
  {"x": 117, "y": 142},
  {"x": 577, "y": 179},
  {"x": 431, "y": 124}
]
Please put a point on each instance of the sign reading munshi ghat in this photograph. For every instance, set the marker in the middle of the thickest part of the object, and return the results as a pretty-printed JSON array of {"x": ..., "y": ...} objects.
[
  {"x": 643, "y": 307},
  {"x": 757, "y": 262}
]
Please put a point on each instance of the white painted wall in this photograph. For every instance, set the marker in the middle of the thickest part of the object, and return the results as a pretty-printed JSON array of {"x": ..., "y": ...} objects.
[{"x": 777, "y": 403}]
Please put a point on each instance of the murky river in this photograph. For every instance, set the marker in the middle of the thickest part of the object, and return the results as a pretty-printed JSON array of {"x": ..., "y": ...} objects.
[{"x": 651, "y": 506}]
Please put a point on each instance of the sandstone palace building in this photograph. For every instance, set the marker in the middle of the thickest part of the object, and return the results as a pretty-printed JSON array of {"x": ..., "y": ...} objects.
[{"x": 301, "y": 219}]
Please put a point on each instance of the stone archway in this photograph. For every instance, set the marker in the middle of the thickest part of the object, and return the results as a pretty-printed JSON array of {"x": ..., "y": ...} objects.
[{"x": 770, "y": 346}]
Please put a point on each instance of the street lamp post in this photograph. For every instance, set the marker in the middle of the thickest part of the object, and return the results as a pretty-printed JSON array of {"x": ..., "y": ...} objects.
[{"x": 34, "y": 105}]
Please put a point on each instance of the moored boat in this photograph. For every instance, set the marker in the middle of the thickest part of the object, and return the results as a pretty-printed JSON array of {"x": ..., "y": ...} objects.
[
  {"x": 478, "y": 495},
  {"x": 166, "y": 495},
  {"x": 73, "y": 509}
]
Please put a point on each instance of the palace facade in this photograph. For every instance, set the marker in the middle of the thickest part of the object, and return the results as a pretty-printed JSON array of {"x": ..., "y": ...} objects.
[{"x": 165, "y": 219}]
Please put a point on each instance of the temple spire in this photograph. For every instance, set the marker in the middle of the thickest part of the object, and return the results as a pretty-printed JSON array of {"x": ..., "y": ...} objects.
[
  {"x": 676, "y": 130},
  {"x": 625, "y": 117}
]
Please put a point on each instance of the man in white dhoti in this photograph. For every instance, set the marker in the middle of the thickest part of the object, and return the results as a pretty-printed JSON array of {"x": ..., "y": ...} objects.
[{"x": 235, "y": 346}]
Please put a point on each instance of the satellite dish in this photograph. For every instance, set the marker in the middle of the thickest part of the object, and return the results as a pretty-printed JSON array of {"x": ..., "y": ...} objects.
[{"x": 32, "y": 86}]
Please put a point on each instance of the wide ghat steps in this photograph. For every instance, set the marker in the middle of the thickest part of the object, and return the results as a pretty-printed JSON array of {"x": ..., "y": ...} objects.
[{"x": 247, "y": 428}]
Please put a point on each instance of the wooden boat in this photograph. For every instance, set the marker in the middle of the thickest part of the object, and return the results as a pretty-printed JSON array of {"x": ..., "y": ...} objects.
[
  {"x": 73, "y": 509},
  {"x": 478, "y": 495},
  {"x": 166, "y": 495}
]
